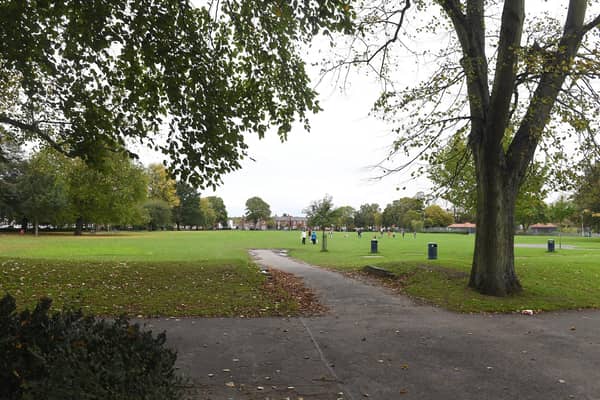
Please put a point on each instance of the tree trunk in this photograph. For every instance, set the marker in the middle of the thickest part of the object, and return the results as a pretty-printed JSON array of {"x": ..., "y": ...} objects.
[
  {"x": 36, "y": 226},
  {"x": 79, "y": 226},
  {"x": 324, "y": 242},
  {"x": 493, "y": 269}
]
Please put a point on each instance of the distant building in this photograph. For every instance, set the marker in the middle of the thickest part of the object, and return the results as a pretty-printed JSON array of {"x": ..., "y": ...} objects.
[
  {"x": 466, "y": 227},
  {"x": 241, "y": 223},
  {"x": 543, "y": 228},
  {"x": 289, "y": 222}
]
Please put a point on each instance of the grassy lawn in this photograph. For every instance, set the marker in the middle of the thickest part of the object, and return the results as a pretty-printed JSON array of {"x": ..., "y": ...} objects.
[
  {"x": 150, "y": 274},
  {"x": 209, "y": 273}
]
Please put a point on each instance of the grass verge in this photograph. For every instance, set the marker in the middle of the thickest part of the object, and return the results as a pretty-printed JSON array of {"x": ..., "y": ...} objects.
[{"x": 235, "y": 289}]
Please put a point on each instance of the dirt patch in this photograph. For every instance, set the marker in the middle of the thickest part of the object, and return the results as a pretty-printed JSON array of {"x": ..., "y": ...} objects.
[
  {"x": 395, "y": 284},
  {"x": 447, "y": 272},
  {"x": 398, "y": 282},
  {"x": 282, "y": 286}
]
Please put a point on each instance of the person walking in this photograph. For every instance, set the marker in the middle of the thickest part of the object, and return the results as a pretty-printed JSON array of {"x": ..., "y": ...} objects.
[
  {"x": 313, "y": 237},
  {"x": 303, "y": 236}
]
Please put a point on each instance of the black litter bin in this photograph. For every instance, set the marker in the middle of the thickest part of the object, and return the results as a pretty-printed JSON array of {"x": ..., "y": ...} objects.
[
  {"x": 373, "y": 245},
  {"x": 432, "y": 251},
  {"x": 550, "y": 245}
]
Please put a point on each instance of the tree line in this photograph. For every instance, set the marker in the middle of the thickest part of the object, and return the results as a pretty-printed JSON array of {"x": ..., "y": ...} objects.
[{"x": 50, "y": 189}]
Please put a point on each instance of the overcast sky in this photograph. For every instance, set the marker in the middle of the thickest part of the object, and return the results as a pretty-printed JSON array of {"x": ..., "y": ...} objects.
[{"x": 333, "y": 158}]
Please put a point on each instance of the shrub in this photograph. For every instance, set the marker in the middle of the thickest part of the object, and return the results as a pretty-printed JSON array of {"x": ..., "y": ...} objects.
[{"x": 66, "y": 355}]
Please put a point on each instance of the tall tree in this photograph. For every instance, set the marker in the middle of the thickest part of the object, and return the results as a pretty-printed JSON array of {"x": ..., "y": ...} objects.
[
  {"x": 257, "y": 210},
  {"x": 587, "y": 193},
  {"x": 208, "y": 214},
  {"x": 42, "y": 190},
  {"x": 218, "y": 205},
  {"x": 512, "y": 87},
  {"x": 436, "y": 216},
  {"x": 367, "y": 215},
  {"x": 397, "y": 213},
  {"x": 11, "y": 167},
  {"x": 321, "y": 213},
  {"x": 345, "y": 217},
  {"x": 161, "y": 186},
  {"x": 158, "y": 214},
  {"x": 187, "y": 212},
  {"x": 91, "y": 75},
  {"x": 111, "y": 195}
]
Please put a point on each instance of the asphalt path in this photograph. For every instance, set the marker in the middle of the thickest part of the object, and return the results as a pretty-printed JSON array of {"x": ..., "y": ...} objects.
[{"x": 379, "y": 345}]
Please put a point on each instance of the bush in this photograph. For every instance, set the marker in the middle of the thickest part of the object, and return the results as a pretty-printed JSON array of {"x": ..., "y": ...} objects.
[{"x": 66, "y": 355}]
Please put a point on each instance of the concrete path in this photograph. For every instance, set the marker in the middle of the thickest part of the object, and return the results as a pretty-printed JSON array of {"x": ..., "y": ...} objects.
[{"x": 376, "y": 345}]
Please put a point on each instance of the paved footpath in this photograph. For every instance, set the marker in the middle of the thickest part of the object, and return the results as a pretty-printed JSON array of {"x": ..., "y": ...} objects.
[{"x": 377, "y": 345}]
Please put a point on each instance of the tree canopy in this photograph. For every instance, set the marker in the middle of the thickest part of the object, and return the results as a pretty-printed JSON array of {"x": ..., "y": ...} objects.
[
  {"x": 368, "y": 215},
  {"x": 453, "y": 173},
  {"x": 587, "y": 194},
  {"x": 90, "y": 77},
  {"x": 42, "y": 190},
  {"x": 218, "y": 206},
  {"x": 161, "y": 186},
  {"x": 187, "y": 211},
  {"x": 321, "y": 213},
  {"x": 257, "y": 209},
  {"x": 108, "y": 196},
  {"x": 436, "y": 216},
  {"x": 402, "y": 212}
]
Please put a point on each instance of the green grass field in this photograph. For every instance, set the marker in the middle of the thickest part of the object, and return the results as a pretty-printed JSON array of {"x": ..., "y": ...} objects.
[{"x": 210, "y": 274}]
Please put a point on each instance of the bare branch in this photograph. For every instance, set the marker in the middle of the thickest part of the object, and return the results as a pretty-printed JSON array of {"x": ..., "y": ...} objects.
[
  {"x": 396, "y": 33},
  {"x": 32, "y": 128},
  {"x": 595, "y": 23}
]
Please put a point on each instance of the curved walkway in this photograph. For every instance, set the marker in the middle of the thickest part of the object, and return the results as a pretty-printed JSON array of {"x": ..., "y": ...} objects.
[{"x": 377, "y": 345}]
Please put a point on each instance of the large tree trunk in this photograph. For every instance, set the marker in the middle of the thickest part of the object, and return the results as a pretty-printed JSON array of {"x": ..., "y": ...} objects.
[
  {"x": 493, "y": 269},
  {"x": 36, "y": 226},
  {"x": 79, "y": 226}
]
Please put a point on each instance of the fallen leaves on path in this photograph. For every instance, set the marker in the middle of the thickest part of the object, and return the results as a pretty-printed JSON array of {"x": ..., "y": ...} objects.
[{"x": 284, "y": 286}]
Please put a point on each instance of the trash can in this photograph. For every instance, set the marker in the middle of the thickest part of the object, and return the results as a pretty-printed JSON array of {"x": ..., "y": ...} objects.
[
  {"x": 550, "y": 245},
  {"x": 373, "y": 245},
  {"x": 432, "y": 251}
]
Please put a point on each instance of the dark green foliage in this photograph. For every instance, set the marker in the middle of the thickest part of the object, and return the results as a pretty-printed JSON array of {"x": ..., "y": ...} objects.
[
  {"x": 158, "y": 213},
  {"x": 345, "y": 217},
  {"x": 70, "y": 356},
  {"x": 42, "y": 191},
  {"x": 217, "y": 204},
  {"x": 368, "y": 215},
  {"x": 257, "y": 209},
  {"x": 187, "y": 212},
  {"x": 402, "y": 212},
  {"x": 587, "y": 195},
  {"x": 11, "y": 167},
  {"x": 321, "y": 213},
  {"x": 92, "y": 75}
]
